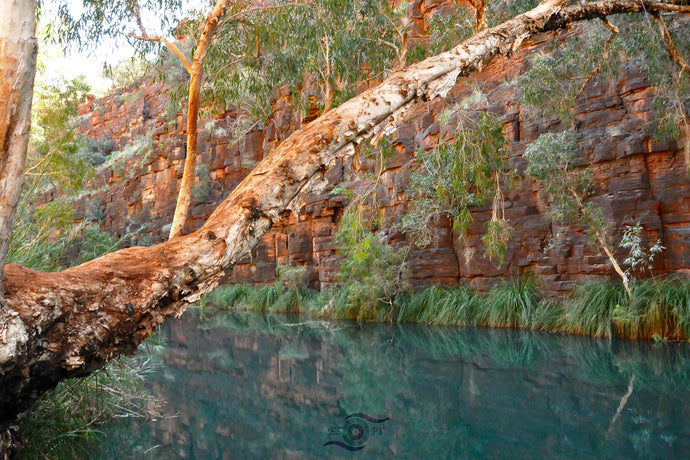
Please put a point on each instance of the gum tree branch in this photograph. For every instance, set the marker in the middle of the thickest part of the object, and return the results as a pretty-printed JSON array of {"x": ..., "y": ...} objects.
[{"x": 670, "y": 46}]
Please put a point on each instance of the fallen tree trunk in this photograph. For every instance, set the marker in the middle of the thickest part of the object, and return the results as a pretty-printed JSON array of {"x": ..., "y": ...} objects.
[{"x": 59, "y": 325}]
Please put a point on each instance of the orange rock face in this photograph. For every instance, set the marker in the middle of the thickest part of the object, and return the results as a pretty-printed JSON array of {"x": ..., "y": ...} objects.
[{"x": 637, "y": 179}]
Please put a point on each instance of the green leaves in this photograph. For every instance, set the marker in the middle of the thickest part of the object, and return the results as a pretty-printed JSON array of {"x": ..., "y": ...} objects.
[
  {"x": 639, "y": 257},
  {"x": 460, "y": 174},
  {"x": 372, "y": 271},
  {"x": 554, "y": 81},
  {"x": 552, "y": 154},
  {"x": 53, "y": 158},
  {"x": 552, "y": 160},
  {"x": 643, "y": 43},
  {"x": 322, "y": 48},
  {"x": 86, "y": 24}
]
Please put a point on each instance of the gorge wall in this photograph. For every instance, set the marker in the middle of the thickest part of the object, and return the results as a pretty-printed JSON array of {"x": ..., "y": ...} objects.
[{"x": 638, "y": 179}]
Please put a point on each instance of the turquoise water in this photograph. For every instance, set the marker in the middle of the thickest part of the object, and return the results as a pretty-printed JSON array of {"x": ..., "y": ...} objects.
[{"x": 247, "y": 385}]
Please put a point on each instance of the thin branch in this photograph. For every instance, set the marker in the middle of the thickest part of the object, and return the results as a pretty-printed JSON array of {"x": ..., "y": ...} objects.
[
  {"x": 146, "y": 37},
  {"x": 137, "y": 17},
  {"x": 685, "y": 9},
  {"x": 231, "y": 64},
  {"x": 670, "y": 46},
  {"x": 170, "y": 45},
  {"x": 604, "y": 58}
]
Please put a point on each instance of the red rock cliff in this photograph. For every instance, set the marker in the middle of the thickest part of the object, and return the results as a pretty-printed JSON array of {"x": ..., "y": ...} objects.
[{"x": 637, "y": 179}]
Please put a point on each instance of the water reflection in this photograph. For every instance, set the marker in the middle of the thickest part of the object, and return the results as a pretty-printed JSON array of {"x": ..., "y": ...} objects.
[{"x": 247, "y": 385}]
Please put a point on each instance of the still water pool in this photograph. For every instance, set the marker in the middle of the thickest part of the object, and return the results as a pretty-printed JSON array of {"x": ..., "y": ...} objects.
[{"x": 247, "y": 385}]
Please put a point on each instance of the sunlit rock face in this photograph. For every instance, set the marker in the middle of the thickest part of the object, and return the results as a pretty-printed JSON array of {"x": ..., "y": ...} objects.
[{"x": 637, "y": 179}]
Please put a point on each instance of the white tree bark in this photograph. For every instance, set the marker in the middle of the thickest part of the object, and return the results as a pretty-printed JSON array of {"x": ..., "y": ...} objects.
[
  {"x": 17, "y": 69},
  {"x": 18, "y": 51}
]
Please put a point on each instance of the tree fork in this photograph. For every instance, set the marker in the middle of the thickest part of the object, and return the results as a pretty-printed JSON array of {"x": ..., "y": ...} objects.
[{"x": 59, "y": 325}]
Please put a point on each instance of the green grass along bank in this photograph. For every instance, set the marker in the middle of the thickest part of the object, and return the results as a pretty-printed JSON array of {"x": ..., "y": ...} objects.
[{"x": 658, "y": 309}]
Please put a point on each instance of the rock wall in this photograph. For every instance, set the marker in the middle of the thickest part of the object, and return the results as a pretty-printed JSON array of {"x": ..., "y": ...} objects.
[{"x": 637, "y": 180}]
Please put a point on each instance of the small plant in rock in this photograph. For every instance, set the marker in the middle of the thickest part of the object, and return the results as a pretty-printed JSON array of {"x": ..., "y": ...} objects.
[
  {"x": 639, "y": 258},
  {"x": 203, "y": 190},
  {"x": 290, "y": 276}
]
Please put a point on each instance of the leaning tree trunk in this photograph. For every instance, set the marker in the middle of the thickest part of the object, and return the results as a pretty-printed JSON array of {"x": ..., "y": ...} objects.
[
  {"x": 17, "y": 69},
  {"x": 57, "y": 325}
]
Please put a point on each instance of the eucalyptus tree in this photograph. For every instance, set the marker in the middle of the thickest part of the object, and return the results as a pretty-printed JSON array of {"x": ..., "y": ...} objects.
[
  {"x": 126, "y": 19},
  {"x": 318, "y": 48},
  {"x": 195, "y": 69},
  {"x": 252, "y": 49},
  {"x": 56, "y": 325}
]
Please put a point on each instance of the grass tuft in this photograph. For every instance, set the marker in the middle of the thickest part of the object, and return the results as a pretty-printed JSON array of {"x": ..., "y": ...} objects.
[{"x": 509, "y": 304}]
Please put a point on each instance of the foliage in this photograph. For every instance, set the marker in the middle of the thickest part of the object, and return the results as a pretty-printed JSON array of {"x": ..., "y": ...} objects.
[
  {"x": 291, "y": 276},
  {"x": 141, "y": 146},
  {"x": 129, "y": 73},
  {"x": 201, "y": 192},
  {"x": 499, "y": 11},
  {"x": 323, "y": 48},
  {"x": 95, "y": 243},
  {"x": 226, "y": 296},
  {"x": 439, "y": 305},
  {"x": 554, "y": 81},
  {"x": 94, "y": 152},
  {"x": 445, "y": 32},
  {"x": 458, "y": 175},
  {"x": 553, "y": 160},
  {"x": 42, "y": 235},
  {"x": 54, "y": 156},
  {"x": 287, "y": 294},
  {"x": 647, "y": 50},
  {"x": 656, "y": 308},
  {"x": 64, "y": 422},
  {"x": 638, "y": 257},
  {"x": 372, "y": 272},
  {"x": 98, "y": 19},
  {"x": 508, "y": 304}
]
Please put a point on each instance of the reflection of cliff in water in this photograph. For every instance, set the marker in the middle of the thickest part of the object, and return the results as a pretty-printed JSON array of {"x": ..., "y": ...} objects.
[{"x": 244, "y": 385}]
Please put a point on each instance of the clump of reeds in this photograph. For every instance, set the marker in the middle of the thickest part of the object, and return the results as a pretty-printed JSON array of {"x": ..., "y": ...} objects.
[{"x": 658, "y": 309}]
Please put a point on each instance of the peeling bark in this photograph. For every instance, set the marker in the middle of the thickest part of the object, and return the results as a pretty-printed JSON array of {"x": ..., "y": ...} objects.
[
  {"x": 17, "y": 69},
  {"x": 58, "y": 325}
]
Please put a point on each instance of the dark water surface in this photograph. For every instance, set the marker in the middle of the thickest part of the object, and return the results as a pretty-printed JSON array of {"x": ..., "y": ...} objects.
[{"x": 247, "y": 385}]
